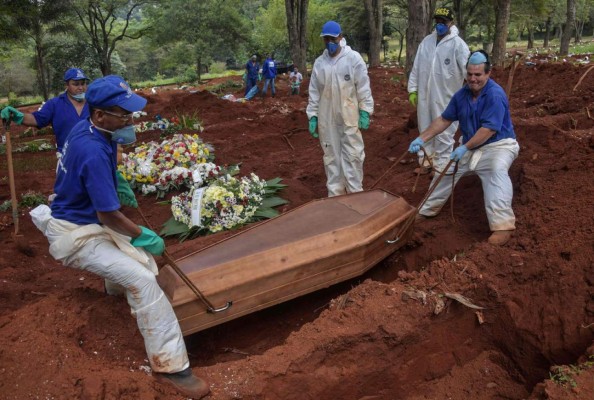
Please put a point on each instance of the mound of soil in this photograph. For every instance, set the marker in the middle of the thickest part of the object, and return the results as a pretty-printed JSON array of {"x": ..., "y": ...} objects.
[{"x": 401, "y": 331}]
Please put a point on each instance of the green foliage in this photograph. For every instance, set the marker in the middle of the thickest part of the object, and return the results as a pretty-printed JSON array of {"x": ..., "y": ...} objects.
[
  {"x": 32, "y": 199},
  {"x": 5, "y": 206},
  {"x": 34, "y": 146},
  {"x": 225, "y": 87},
  {"x": 565, "y": 375},
  {"x": 29, "y": 199},
  {"x": 13, "y": 100}
]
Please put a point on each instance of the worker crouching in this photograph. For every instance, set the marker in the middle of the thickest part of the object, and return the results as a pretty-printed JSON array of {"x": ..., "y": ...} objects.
[
  {"x": 488, "y": 147},
  {"x": 86, "y": 229}
]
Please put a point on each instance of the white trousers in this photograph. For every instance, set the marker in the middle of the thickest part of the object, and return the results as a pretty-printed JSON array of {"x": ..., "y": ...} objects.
[
  {"x": 491, "y": 163},
  {"x": 99, "y": 254},
  {"x": 343, "y": 159}
]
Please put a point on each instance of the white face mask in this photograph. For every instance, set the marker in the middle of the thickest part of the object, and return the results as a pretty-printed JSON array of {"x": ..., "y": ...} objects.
[{"x": 78, "y": 97}]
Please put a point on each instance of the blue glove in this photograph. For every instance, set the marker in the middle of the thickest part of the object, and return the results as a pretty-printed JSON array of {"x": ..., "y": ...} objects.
[
  {"x": 313, "y": 124},
  {"x": 363, "y": 119},
  {"x": 11, "y": 113},
  {"x": 415, "y": 145},
  {"x": 458, "y": 153},
  {"x": 125, "y": 193},
  {"x": 151, "y": 242}
]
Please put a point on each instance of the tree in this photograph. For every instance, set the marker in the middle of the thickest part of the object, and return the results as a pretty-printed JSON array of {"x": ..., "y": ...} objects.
[
  {"x": 420, "y": 19},
  {"x": 463, "y": 14},
  {"x": 100, "y": 20},
  {"x": 375, "y": 23},
  {"x": 37, "y": 20},
  {"x": 211, "y": 29},
  {"x": 568, "y": 31},
  {"x": 502, "y": 14},
  {"x": 297, "y": 29}
]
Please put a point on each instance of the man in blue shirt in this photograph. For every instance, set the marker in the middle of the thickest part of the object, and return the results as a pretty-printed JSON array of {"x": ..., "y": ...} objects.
[
  {"x": 252, "y": 72},
  {"x": 87, "y": 230},
  {"x": 62, "y": 112},
  {"x": 269, "y": 74},
  {"x": 488, "y": 147}
]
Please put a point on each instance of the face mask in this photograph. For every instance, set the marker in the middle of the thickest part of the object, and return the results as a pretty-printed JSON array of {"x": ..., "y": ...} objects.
[
  {"x": 78, "y": 97},
  {"x": 125, "y": 135},
  {"x": 442, "y": 29},
  {"x": 332, "y": 47}
]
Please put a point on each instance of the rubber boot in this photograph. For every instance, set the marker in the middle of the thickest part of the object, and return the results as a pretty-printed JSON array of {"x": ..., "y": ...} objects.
[
  {"x": 499, "y": 238},
  {"x": 186, "y": 383}
]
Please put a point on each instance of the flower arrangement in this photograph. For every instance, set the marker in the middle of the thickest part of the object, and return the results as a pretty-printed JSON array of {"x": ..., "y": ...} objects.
[
  {"x": 174, "y": 163},
  {"x": 226, "y": 203}
]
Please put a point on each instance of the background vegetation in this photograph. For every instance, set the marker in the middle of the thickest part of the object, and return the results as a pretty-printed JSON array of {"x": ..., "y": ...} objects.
[{"x": 156, "y": 42}]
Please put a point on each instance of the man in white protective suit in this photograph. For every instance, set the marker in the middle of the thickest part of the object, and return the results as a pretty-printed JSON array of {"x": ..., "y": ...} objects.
[
  {"x": 438, "y": 72},
  {"x": 86, "y": 229},
  {"x": 488, "y": 147},
  {"x": 340, "y": 104}
]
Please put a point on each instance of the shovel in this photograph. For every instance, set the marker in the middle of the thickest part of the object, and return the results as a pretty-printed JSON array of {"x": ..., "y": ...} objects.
[{"x": 15, "y": 212}]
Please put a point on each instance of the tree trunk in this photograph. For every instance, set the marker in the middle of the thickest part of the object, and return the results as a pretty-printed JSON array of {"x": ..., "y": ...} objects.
[
  {"x": 375, "y": 23},
  {"x": 296, "y": 11},
  {"x": 530, "y": 36},
  {"x": 547, "y": 32},
  {"x": 420, "y": 18},
  {"x": 568, "y": 31},
  {"x": 40, "y": 61},
  {"x": 502, "y": 14}
]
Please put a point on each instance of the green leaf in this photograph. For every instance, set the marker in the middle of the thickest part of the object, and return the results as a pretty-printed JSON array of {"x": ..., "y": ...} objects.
[
  {"x": 273, "y": 202},
  {"x": 172, "y": 227},
  {"x": 266, "y": 213}
]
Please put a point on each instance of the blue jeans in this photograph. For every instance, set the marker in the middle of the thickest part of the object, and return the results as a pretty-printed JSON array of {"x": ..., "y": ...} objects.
[{"x": 272, "y": 88}]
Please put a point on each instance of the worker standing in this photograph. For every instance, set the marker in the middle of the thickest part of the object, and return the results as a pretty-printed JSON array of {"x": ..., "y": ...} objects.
[
  {"x": 340, "y": 104},
  {"x": 269, "y": 75},
  {"x": 488, "y": 147},
  {"x": 252, "y": 68},
  {"x": 62, "y": 112},
  {"x": 86, "y": 229},
  {"x": 437, "y": 73}
]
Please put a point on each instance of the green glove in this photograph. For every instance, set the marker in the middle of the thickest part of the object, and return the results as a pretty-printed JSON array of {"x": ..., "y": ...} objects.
[
  {"x": 11, "y": 113},
  {"x": 412, "y": 98},
  {"x": 313, "y": 124},
  {"x": 151, "y": 242},
  {"x": 125, "y": 193},
  {"x": 363, "y": 119},
  {"x": 259, "y": 77}
]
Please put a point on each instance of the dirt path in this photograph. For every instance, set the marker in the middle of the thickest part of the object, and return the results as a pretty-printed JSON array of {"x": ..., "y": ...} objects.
[{"x": 374, "y": 337}]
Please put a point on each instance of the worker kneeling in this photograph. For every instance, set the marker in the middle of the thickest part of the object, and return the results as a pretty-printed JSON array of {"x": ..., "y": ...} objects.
[
  {"x": 86, "y": 229},
  {"x": 488, "y": 147}
]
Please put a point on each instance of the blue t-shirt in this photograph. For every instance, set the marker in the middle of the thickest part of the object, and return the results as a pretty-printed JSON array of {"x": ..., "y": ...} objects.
[
  {"x": 490, "y": 110},
  {"x": 61, "y": 114},
  {"x": 86, "y": 181},
  {"x": 269, "y": 69}
]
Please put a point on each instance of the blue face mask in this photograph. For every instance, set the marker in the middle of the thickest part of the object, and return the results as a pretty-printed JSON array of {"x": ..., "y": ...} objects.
[
  {"x": 125, "y": 135},
  {"x": 78, "y": 97},
  {"x": 441, "y": 29},
  {"x": 332, "y": 47}
]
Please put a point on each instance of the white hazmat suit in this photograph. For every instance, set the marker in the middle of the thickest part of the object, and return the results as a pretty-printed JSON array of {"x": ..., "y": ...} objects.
[
  {"x": 338, "y": 89},
  {"x": 438, "y": 72}
]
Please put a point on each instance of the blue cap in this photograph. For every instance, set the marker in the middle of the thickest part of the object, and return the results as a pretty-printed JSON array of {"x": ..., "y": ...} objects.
[
  {"x": 112, "y": 90},
  {"x": 477, "y": 58},
  {"x": 74, "y": 74},
  {"x": 331, "y": 28}
]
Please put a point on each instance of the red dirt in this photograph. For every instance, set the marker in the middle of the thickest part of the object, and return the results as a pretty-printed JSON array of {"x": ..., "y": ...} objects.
[{"x": 61, "y": 337}]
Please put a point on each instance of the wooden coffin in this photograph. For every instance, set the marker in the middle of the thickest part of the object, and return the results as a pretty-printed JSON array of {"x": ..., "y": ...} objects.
[{"x": 311, "y": 247}]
